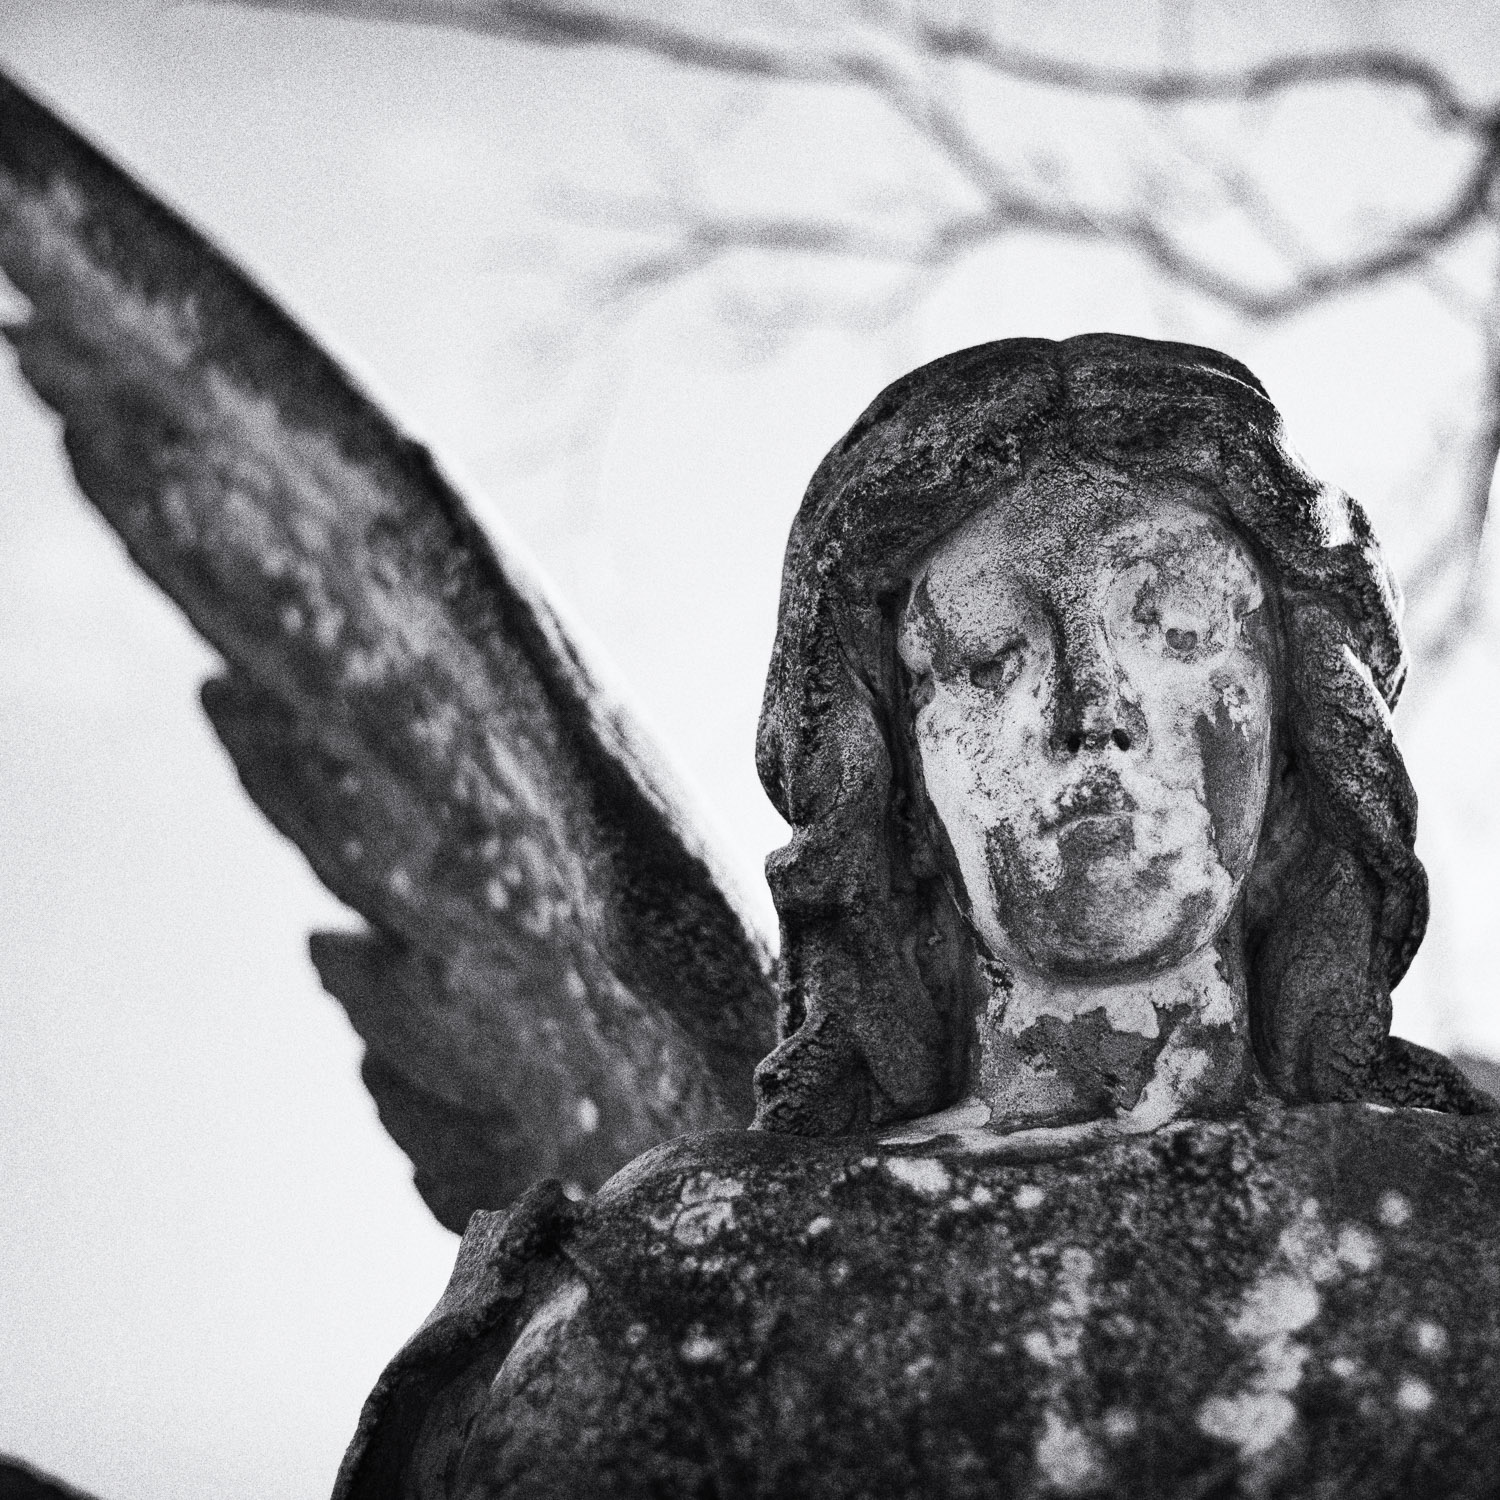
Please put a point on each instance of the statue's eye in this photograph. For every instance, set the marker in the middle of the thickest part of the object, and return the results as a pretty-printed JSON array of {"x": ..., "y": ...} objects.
[
  {"x": 1178, "y": 626},
  {"x": 999, "y": 671},
  {"x": 1187, "y": 633}
]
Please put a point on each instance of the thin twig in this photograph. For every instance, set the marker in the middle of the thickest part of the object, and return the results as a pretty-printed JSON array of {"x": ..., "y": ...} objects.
[{"x": 856, "y": 62}]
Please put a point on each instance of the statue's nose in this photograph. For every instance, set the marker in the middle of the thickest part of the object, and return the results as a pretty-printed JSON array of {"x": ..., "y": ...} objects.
[{"x": 1095, "y": 709}]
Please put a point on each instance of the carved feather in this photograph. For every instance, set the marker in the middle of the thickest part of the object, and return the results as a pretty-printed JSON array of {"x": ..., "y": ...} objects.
[{"x": 555, "y": 976}]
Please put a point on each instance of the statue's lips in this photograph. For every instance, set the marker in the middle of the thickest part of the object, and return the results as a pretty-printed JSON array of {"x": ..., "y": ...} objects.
[
  {"x": 1103, "y": 800},
  {"x": 1095, "y": 835}
]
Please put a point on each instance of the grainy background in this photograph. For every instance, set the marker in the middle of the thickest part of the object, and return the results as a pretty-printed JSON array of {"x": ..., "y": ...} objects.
[{"x": 208, "y": 1248}]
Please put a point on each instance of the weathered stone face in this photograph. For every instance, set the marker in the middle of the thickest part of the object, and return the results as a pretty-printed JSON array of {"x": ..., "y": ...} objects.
[
  {"x": 1019, "y": 486},
  {"x": 1093, "y": 713}
]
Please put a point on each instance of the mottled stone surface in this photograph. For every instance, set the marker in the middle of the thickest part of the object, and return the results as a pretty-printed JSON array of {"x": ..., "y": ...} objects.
[{"x": 1302, "y": 1303}]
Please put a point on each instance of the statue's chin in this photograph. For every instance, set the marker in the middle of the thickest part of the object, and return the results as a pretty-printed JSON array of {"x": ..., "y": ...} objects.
[{"x": 1105, "y": 911}]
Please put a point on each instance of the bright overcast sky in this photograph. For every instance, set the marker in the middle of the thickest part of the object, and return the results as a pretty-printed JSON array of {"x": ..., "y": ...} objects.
[{"x": 209, "y": 1247}]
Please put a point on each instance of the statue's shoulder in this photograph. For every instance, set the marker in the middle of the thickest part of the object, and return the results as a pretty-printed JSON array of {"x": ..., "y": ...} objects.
[
  {"x": 1278, "y": 1296},
  {"x": 513, "y": 1265},
  {"x": 1293, "y": 1295},
  {"x": 739, "y": 1195},
  {"x": 507, "y": 1264}
]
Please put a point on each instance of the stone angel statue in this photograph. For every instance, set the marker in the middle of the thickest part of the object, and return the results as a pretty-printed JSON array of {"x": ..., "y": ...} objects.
[{"x": 1068, "y": 1152}]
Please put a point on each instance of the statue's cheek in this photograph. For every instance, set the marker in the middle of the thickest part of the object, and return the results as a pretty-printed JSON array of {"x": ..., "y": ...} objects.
[
  {"x": 1232, "y": 730},
  {"x": 980, "y": 747}
]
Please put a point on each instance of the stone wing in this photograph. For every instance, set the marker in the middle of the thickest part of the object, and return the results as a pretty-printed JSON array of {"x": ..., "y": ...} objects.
[{"x": 554, "y": 975}]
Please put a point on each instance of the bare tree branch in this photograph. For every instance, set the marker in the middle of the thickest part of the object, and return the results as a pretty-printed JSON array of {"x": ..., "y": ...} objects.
[
  {"x": 914, "y": 66},
  {"x": 1276, "y": 75},
  {"x": 562, "y": 25},
  {"x": 891, "y": 72},
  {"x": 1460, "y": 548}
]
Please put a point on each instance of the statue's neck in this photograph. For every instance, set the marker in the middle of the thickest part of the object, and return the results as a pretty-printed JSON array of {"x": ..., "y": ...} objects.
[{"x": 1054, "y": 1052}]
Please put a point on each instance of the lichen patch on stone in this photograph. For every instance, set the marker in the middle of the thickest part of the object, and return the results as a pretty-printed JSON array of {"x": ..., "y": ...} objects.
[
  {"x": 1253, "y": 1421},
  {"x": 705, "y": 1209},
  {"x": 1430, "y": 1338},
  {"x": 698, "y": 1348},
  {"x": 1356, "y": 1249},
  {"x": 1413, "y": 1395},
  {"x": 1066, "y": 1457},
  {"x": 1283, "y": 1300},
  {"x": 1394, "y": 1209},
  {"x": 1276, "y": 1305}
]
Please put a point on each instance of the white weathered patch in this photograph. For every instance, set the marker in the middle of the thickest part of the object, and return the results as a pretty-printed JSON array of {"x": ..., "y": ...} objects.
[
  {"x": 1313, "y": 1252},
  {"x": 969, "y": 1114},
  {"x": 1212, "y": 996},
  {"x": 922, "y": 1174},
  {"x": 1238, "y": 705},
  {"x": 1075, "y": 1267},
  {"x": 588, "y": 1115},
  {"x": 1178, "y": 1067},
  {"x": 1307, "y": 1246},
  {"x": 1127, "y": 1007},
  {"x": 1120, "y": 1423},
  {"x": 821, "y": 1225},
  {"x": 1029, "y": 1196}
]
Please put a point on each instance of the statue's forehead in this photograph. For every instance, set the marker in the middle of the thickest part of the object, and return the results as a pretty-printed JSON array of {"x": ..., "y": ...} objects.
[
  {"x": 1059, "y": 518},
  {"x": 1054, "y": 536}
]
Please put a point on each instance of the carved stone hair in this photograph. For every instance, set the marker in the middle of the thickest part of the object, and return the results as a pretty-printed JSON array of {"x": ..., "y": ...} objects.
[{"x": 877, "y": 967}]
